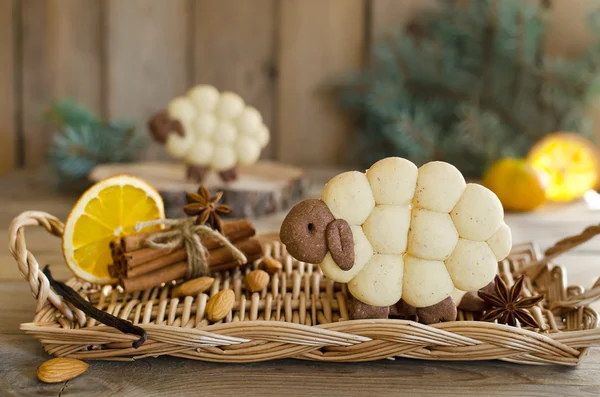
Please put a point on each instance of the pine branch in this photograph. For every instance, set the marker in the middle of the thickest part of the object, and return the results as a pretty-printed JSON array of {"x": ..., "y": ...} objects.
[
  {"x": 519, "y": 56},
  {"x": 488, "y": 48},
  {"x": 436, "y": 90},
  {"x": 539, "y": 62},
  {"x": 410, "y": 128}
]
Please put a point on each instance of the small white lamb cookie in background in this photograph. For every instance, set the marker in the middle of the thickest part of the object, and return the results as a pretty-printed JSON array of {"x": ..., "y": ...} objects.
[{"x": 210, "y": 130}]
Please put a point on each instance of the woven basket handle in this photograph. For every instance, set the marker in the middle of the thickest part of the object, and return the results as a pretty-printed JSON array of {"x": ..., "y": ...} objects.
[
  {"x": 559, "y": 248},
  {"x": 28, "y": 265}
]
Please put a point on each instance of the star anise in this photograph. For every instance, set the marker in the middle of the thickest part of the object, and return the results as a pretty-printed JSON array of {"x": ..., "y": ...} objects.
[
  {"x": 507, "y": 304},
  {"x": 206, "y": 208}
]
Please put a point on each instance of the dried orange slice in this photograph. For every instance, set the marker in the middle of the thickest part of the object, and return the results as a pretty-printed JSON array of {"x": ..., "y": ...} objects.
[
  {"x": 569, "y": 164},
  {"x": 109, "y": 209}
]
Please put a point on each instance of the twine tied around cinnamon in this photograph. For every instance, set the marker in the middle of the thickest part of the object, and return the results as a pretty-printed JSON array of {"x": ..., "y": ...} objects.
[{"x": 186, "y": 233}]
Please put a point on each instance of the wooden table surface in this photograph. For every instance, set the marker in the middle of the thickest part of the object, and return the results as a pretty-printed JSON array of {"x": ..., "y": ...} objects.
[{"x": 20, "y": 355}]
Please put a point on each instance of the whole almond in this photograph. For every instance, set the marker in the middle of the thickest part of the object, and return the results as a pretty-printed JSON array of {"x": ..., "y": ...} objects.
[
  {"x": 270, "y": 265},
  {"x": 192, "y": 287},
  {"x": 219, "y": 305},
  {"x": 61, "y": 369},
  {"x": 256, "y": 280}
]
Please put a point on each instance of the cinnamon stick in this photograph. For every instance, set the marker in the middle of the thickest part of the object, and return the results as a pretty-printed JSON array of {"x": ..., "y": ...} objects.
[
  {"x": 218, "y": 256},
  {"x": 233, "y": 230},
  {"x": 223, "y": 261},
  {"x": 162, "y": 261},
  {"x": 155, "y": 278},
  {"x": 135, "y": 241},
  {"x": 140, "y": 256},
  {"x": 113, "y": 271}
]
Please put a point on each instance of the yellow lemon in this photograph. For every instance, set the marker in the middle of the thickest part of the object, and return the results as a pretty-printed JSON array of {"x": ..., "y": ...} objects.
[
  {"x": 569, "y": 162},
  {"x": 108, "y": 210},
  {"x": 518, "y": 186}
]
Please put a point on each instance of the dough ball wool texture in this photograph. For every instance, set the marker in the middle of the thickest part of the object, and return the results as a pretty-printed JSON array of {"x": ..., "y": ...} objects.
[
  {"x": 420, "y": 234},
  {"x": 221, "y": 131}
]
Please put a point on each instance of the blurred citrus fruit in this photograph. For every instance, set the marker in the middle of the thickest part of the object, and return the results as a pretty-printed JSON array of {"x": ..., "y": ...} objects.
[
  {"x": 109, "y": 209},
  {"x": 569, "y": 162},
  {"x": 518, "y": 186}
]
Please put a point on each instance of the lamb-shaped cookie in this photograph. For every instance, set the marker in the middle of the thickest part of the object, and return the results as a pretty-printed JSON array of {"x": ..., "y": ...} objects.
[
  {"x": 211, "y": 130},
  {"x": 396, "y": 233}
]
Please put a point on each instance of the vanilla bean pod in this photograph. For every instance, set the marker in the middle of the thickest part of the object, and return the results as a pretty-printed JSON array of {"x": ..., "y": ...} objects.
[{"x": 71, "y": 296}]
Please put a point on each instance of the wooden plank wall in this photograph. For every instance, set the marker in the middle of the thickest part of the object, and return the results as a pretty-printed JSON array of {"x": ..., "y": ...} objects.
[{"x": 126, "y": 59}]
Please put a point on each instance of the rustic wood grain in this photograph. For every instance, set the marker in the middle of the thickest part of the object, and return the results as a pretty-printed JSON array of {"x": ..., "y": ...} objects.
[
  {"x": 260, "y": 189},
  {"x": 234, "y": 49},
  {"x": 319, "y": 43},
  {"x": 61, "y": 58},
  {"x": 147, "y": 55},
  {"x": 8, "y": 98}
]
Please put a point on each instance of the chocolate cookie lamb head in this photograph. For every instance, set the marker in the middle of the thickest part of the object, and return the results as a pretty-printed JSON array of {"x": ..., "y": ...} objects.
[{"x": 310, "y": 231}]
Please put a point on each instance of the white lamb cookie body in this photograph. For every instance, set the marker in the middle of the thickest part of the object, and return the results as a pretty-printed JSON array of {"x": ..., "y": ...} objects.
[
  {"x": 249, "y": 121},
  {"x": 478, "y": 214},
  {"x": 426, "y": 282},
  {"x": 204, "y": 97},
  {"x": 182, "y": 109},
  {"x": 349, "y": 197},
  {"x": 221, "y": 131},
  {"x": 393, "y": 181},
  {"x": 501, "y": 242},
  {"x": 387, "y": 228},
  {"x": 432, "y": 236},
  {"x": 419, "y": 234},
  {"x": 439, "y": 186},
  {"x": 248, "y": 150},
  {"x": 457, "y": 295},
  {"x": 223, "y": 158},
  {"x": 379, "y": 283},
  {"x": 178, "y": 146},
  {"x": 230, "y": 106},
  {"x": 362, "y": 254},
  {"x": 472, "y": 265},
  {"x": 204, "y": 126},
  {"x": 202, "y": 153}
]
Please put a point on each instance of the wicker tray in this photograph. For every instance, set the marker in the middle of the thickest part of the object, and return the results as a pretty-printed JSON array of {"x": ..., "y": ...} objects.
[{"x": 301, "y": 315}]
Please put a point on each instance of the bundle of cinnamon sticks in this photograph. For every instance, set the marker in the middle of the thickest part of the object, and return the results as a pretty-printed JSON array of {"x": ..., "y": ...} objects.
[{"x": 139, "y": 267}]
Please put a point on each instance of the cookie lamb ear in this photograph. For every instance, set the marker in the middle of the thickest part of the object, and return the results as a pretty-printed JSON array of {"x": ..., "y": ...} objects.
[{"x": 341, "y": 243}]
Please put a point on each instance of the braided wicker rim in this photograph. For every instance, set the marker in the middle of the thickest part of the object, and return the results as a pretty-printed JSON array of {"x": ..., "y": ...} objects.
[{"x": 302, "y": 315}]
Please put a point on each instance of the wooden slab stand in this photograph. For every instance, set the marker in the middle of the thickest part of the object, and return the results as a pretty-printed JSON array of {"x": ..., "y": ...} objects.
[{"x": 261, "y": 189}]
